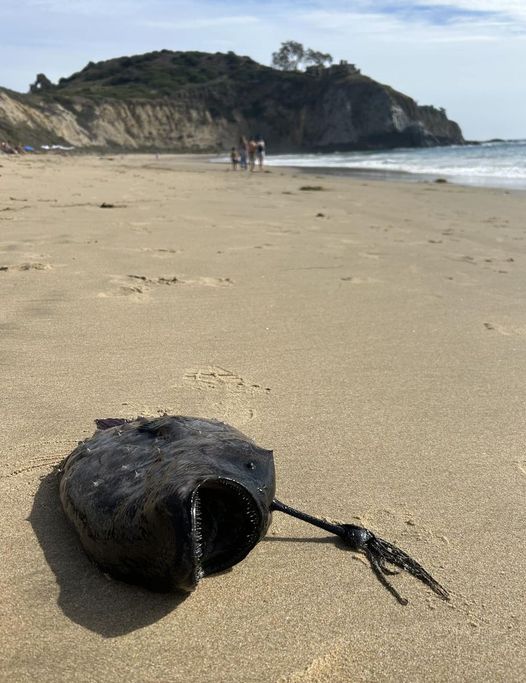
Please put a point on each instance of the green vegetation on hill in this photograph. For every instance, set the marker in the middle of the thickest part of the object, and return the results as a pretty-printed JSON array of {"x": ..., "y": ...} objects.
[{"x": 165, "y": 74}]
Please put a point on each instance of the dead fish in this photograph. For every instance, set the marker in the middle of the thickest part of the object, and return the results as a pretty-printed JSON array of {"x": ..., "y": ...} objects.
[{"x": 164, "y": 502}]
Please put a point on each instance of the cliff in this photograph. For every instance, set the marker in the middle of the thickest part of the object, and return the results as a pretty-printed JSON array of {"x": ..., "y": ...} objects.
[{"x": 199, "y": 102}]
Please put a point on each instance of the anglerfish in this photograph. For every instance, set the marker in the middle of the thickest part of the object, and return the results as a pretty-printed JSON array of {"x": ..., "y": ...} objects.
[{"x": 164, "y": 502}]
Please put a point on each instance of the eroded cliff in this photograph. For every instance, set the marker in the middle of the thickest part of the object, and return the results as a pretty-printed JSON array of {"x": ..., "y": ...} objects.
[{"x": 190, "y": 102}]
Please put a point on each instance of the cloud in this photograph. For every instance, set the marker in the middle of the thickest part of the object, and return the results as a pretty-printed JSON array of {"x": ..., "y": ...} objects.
[
  {"x": 88, "y": 8},
  {"x": 440, "y": 9},
  {"x": 418, "y": 21},
  {"x": 511, "y": 14},
  {"x": 211, "y": 22},
  {"x": 505, "y": 16},
  {"x": 513, "y": 9}
]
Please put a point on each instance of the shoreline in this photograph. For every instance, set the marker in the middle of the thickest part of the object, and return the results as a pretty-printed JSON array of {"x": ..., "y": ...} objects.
[
  {"x": 395, "y": 176},
  {"x": 408, "y": 177}
]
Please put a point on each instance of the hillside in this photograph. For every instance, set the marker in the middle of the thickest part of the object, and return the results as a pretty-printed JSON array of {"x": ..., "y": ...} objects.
[{"x": 194, "y": 101}]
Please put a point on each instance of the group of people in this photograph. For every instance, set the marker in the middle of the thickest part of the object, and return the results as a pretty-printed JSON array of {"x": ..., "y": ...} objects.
[
  {"x": 248, "y": 153},
  {"x": 8, "y": 148}
]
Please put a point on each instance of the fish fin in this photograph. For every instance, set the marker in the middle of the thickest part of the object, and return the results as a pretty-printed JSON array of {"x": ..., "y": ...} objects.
[
  {"x": 380, "y": 571},
  {"x": 378, "y": 552},
  {"x": 163, "y": 427},
  {"x": 109, "y": 422}
]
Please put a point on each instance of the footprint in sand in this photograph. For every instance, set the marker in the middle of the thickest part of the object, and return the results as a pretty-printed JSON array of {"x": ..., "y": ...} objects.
[
  {"x": 506, "y": 331},
  {"x": 331, "y": 666},
  {"x": 26, "y": 266},
  {"x": 215, "y": 377},
  {"x": 137, "y": 293},
  {"x": 283, "y": 231},
  {"x": 156, "y": 280},
  {"x": 265, "y": 245},
  {"x": 471, "y": 260},
  {"x": 15, "y": 208},
  {"x": 138, "y": 287},
  {"x": 160, "y": 252},
  {"x": 141, "y": 228},
  {"x": 359, "y": 280},
  {"x": 467, "y": 259},
  {"x": 173, "y": 280},
  {"x": 210, "y": 282},
  {"x": 370, "y": 255},
  {"x": 133, "y": 291}
]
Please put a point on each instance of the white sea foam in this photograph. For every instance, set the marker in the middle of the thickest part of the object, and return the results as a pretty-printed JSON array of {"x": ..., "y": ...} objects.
[{"x": 491, "y": 163}]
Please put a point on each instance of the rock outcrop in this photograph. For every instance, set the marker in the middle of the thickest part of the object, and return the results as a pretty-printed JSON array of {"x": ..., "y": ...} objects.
[{"x": 199, "y": 102}]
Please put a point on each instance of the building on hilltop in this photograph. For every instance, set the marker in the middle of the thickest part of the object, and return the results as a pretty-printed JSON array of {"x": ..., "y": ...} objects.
[{"x": 341, "y": 69}]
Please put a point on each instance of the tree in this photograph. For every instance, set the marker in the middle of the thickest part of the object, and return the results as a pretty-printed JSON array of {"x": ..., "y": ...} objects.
[
  {"x": 317, "y": 58},
  {"x": 292, "y": 55},
  {"x": 289, "y": 56}
]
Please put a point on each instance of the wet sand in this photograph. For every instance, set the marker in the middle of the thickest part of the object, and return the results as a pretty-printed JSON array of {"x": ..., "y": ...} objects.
[{"x": 373, "y": 334}]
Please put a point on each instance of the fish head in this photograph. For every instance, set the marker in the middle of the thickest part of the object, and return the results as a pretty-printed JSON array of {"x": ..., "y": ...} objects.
[
  {"x": 186, "y": 497},
  {"x": 221, "y": 506}
]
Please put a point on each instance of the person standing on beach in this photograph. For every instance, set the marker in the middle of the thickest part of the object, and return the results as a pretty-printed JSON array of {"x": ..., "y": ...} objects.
[
  {"x": 234, "y": 158},
  {"x": 260, "y": 152},
  {"x": 243, "y": 152},
  {"x": 251, "y": 148}
]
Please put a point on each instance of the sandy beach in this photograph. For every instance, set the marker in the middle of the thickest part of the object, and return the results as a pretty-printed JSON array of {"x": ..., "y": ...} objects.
[{"x": 372, "y": 333}]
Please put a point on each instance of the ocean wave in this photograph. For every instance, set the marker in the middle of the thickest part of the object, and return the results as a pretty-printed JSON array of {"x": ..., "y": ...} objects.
[
  {"x": 489, "y": 163},
  {"x": 498, "y": 161}
]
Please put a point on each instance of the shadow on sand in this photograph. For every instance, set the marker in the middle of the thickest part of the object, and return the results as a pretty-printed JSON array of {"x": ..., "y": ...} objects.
[{"x": 87, "y": 597}]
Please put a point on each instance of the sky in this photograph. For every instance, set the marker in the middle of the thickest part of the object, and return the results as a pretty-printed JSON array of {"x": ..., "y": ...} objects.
[{"x": 464, "y": 55}]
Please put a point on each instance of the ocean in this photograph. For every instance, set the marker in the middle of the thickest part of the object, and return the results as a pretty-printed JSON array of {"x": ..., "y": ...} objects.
[{"x": 489, "y": 164}]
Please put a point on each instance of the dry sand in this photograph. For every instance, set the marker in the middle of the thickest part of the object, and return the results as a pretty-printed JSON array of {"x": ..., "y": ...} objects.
[{"x": 373, "y": 334}]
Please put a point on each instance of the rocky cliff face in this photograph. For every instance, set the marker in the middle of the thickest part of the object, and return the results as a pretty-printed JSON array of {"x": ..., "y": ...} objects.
[{"x": 154, "y": 102}]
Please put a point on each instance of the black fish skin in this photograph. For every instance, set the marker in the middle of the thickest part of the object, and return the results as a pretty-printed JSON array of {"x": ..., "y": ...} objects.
[{"x": 130, "y": 488}]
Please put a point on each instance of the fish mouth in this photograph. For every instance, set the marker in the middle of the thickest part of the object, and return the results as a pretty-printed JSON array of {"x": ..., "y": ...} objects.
[{"x": 226, "y": 521}]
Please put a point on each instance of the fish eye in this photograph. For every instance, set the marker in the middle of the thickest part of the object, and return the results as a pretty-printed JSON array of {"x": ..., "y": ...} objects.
[{"x": 250, "y": 465}]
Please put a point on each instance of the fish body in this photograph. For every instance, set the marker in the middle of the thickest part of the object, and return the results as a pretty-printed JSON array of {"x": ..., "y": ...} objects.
[{"x": 163, "y": 502}]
